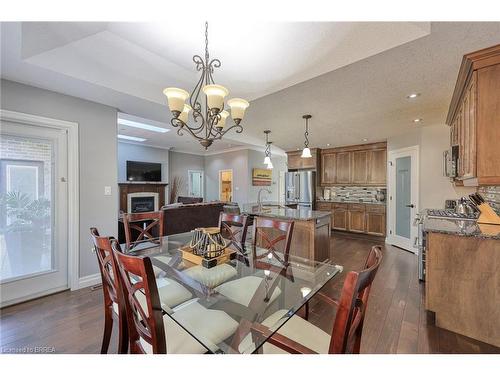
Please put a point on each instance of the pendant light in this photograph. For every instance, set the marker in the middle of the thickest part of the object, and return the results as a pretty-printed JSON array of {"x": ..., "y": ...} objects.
[
  {"x": 306, "y": 152},
  {"x": 267, "y": 152}
]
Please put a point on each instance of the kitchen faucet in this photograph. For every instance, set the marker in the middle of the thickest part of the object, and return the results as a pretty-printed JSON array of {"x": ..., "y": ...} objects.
[{"x": 259, "y": 199}]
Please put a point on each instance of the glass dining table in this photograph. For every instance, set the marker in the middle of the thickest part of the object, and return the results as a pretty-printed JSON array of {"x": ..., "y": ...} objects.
[{"x": 239, "y": 303}]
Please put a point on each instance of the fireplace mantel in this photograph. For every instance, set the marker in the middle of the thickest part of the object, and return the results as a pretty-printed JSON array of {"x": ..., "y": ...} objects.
[{"x": 129, "y": 187}]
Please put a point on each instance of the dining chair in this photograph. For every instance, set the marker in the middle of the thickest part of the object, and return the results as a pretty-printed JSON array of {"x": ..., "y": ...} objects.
[
  {"x": 234, "y": 228},
  {"x": 298, "y": 336},
  {"x": 151, "y": 331},
  {"x": 114, "y": 309},
  {"x": 267, "y": 235},
  {"x": 145, "y": 232}
]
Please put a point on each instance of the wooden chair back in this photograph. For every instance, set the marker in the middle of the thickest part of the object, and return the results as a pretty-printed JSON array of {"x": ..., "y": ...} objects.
[
  {"x": 130, "y": 225},
  {"x": 263, "y": 231},
  {"x": 348, "y": 325},
  {"x": 137, "y": 276},
  {"x": 107, "y": 267},
  {"x": 234, "y": 228}
]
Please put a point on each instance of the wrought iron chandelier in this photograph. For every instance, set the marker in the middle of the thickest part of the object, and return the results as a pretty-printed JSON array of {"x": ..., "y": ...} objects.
[
  {"x": 306, "y": 152},
  {"x": 210, "y": 120},
  {"x": 267, "y": 152}
]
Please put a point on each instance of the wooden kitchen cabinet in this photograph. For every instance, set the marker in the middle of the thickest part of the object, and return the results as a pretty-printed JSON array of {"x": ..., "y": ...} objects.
[
  {"x": 474, "y": 118},
  {"x": 295, "y": 161},
  {"x": 343, "y": 168},
  {"x": 359, "y": 167},
  {"x": 328, "y": 168},
  {"x": 377, "y": 167},
  {"x": 356, "y": 218},
  {"x": 375, "y": 220},
  {"x": 461, "y": 285},
  {"x": 339, "y": 216}
]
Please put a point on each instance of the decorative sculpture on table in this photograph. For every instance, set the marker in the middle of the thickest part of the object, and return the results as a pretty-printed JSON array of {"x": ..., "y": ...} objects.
[{"x": 207, "y": 242}]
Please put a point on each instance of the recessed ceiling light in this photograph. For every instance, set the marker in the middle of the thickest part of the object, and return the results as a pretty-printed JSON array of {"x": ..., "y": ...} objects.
[
  {"x": 141, "y": 125},
  {"x": 130, "y": 138},
  {"x": 413, "y": 95},
  {"x": 417, "y": 120},
  {"x": 365, "y": 139},
  {"x": 328, "y": 144}
]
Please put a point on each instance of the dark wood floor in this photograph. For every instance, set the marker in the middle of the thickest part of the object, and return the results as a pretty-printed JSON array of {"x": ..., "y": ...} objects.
[{"x": 396, "y": 322}]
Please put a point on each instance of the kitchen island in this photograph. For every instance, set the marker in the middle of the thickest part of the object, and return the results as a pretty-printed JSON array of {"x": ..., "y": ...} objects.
[
  {"x": 463, "y": 277},
  {"x": 311, "y": 233}
]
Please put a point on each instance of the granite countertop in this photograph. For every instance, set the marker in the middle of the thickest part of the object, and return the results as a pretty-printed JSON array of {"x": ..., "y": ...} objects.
[
  {"x": 348, "y": 201},
  {"x": 277, "y": 211},
  {"x": 469, "y": 228}
]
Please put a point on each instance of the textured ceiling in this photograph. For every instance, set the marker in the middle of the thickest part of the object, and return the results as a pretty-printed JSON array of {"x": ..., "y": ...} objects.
[{"x": 352, "y": 77}]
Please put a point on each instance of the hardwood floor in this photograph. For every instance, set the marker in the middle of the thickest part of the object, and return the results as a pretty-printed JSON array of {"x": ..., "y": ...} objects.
[{"x": 396, "y": 321}]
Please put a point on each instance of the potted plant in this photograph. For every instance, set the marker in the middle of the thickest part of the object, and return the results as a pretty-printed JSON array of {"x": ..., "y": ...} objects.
[{"x": 26, "y": 228}]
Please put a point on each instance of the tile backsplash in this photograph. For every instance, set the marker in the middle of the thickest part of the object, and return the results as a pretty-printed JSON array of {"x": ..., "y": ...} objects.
[
  {"x": 356, "y": 193},
  {"x": 491, "y": 195}
]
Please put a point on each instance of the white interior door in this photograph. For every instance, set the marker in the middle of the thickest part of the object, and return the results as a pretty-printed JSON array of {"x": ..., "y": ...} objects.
[
  {"x": 34, "y": 214},
  {"x": 195, "y": 179},
  {"x": 403, "y": 197}
]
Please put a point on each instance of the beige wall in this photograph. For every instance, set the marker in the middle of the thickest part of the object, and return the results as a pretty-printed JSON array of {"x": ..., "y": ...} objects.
[
  {"x": 179, "y": 165},
  {"x": 434, "y": 188},
  {"x": 97, "y": 159}
]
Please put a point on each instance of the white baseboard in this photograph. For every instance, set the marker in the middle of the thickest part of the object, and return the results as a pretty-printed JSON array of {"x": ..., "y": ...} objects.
[{"x": 87, "y": 281}]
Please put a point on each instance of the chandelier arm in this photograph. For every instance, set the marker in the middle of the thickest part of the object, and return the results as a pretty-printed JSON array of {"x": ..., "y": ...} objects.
[
  {"x": 239, "y": 129},
  {"x": 215, "y": 63},
  {"x": 182, "y": 127},
  {"x": 200, "y": 66}
]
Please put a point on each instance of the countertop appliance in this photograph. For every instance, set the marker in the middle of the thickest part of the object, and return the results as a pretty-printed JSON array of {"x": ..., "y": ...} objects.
[
  {"x": 450, "y": 158},
  {"x": 300, "y": 189}
]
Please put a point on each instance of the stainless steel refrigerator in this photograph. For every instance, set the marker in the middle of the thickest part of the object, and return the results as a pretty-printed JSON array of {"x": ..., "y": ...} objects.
[{"x": 300, "y": 189}]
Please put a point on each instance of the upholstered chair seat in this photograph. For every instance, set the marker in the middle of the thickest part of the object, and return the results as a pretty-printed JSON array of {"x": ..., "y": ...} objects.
[
  {"x": 213, "y": 326},
  {"x": 243, "y": 290}
]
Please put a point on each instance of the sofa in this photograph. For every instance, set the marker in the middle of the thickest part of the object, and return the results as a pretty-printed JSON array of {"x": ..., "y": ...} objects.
[
  {"x": 189, "y": 200},
  {"x": 180, "y": 218},
  {"x": 186, "y": 217}
]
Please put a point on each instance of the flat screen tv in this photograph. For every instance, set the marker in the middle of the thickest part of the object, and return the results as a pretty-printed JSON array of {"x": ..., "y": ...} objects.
[{"x": 142, "y": 171}]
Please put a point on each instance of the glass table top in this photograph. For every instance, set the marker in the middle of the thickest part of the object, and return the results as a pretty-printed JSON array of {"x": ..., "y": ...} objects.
[{"x": 222, "y": 306}]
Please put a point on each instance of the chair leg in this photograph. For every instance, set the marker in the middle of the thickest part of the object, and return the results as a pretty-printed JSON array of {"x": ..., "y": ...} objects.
[
  {"x": 122, "y": 334},
  {"x": 357, "y": 343},
  {"x": 108, "y": 326}
]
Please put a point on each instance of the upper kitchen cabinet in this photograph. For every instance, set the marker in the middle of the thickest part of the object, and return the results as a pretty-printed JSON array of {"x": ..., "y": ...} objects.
[
  {"x": 295, "y": 161},
  {"x": 377, "y": 166},
  {"x": 355, "y": 165},
  {"x": 328, "y": 166},
  {"x": 359, "y": 167},
  {"x": 343, "y": 168},
  {"x": 474, "y": 118}
]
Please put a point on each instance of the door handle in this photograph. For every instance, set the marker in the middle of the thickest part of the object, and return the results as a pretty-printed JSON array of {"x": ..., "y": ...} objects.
[{"x": 410, "y": 205}]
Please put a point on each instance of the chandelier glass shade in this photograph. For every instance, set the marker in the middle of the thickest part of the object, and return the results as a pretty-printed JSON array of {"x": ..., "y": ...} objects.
[
  {"x": 206, "y": 104},
  {"x": 306, "y": 152}
]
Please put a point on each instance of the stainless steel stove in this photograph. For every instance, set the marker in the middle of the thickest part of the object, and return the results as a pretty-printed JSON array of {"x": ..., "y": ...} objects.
[{"x": 449, "y": 214}]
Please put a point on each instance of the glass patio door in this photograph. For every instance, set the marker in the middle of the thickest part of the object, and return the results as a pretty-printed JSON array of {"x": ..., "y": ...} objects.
[{"x": 33, "y": 215}]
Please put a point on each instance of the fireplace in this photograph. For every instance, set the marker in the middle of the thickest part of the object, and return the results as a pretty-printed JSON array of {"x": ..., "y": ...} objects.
[
  {"x": 142, "y": 202},
  {"x": 154, "y": 191}
]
